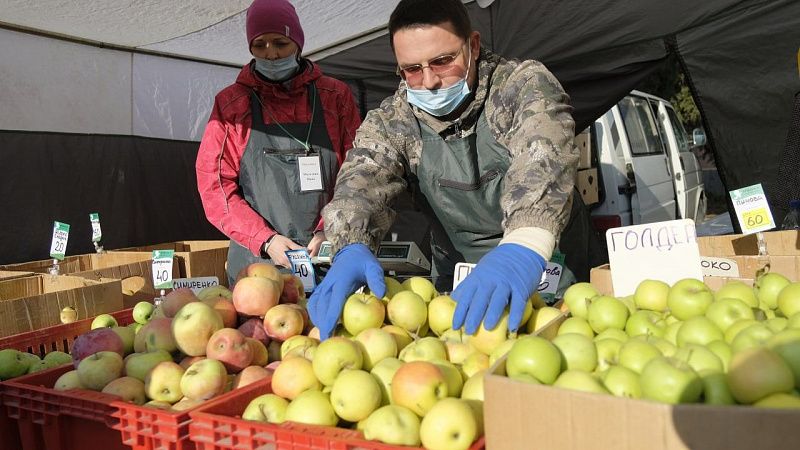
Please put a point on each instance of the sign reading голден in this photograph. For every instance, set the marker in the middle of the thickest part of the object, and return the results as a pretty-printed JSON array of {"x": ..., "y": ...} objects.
[{"x": 665, "y": 251}]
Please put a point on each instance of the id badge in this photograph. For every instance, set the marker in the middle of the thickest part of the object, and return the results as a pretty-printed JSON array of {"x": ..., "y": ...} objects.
[{"x": 310, "y": 170}]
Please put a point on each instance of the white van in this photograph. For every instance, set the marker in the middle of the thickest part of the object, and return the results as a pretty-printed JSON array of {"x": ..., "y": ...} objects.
[{"x": 647, "y": 172}]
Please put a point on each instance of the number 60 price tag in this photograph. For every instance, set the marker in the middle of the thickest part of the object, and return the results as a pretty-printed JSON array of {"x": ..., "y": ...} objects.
[
  {"x": 162, "y": 268},
  {"x": 302, "y": 268},
  {"x": 752, "y": 209}
]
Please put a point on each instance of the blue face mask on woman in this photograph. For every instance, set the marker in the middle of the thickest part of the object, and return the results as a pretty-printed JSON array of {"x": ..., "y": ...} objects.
[
  {"x": 441, "y": 102},
  {"x": 278, "y": 69}
]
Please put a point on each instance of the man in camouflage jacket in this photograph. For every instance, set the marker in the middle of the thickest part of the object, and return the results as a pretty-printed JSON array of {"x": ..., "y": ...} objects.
[{"x": 496, "y": 174}]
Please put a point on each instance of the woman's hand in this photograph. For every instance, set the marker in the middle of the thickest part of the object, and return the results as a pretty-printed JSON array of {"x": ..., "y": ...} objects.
[
  {"x": 277, "y": 247},
  {"x": 316, "y": 243}
]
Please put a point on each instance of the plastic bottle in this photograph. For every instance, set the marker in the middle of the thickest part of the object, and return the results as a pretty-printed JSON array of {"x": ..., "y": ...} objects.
[{"x": 792, "y": 219}]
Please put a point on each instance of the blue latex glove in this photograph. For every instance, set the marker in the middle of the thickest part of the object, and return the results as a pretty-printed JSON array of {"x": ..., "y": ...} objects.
[
  {"x": 509, "y": 272},
  {"x": 353, "y": 266}
]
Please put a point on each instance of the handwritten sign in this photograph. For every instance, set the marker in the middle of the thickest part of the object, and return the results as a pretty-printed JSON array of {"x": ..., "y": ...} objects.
[
  {"x": 665, "y": 251},
  {"x": 196, "y": 284},
  {"x": 719, "y": 267}
]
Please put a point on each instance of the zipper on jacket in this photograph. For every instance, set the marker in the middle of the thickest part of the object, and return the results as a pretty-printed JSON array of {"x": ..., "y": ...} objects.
[{"x": 485, "y": 178}]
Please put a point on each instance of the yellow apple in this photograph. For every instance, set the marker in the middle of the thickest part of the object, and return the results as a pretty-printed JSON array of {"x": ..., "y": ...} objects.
[
  {"x": 394, "y": 425},
  {"x": 355, "y": 395},
  {"x": 449, "y": 425},
  {"x": 409, "y": 311},
  {"x": 376, "y": 344}
]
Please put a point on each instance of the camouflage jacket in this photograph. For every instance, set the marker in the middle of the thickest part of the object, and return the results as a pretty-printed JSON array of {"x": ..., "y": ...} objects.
[{"x": 527, "y": 111}]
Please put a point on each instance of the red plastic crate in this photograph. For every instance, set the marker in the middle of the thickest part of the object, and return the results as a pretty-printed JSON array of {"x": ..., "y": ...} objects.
[
  {"x": 41, "y": 342},
  {"x": 218, "y": 425},
  {"x": 60, "y": 420}
]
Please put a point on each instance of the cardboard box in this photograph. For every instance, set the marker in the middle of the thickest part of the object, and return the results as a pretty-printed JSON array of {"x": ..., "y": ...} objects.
[
  {"x": 519, "y": 415},
  {"x": 10, "y": 275},
  {"x": 193, "y": 258},
  {"x": 600, "y": 277},
  {"x": 134, "y": 270},
  {"x": 587, "y": 185},
  {"x": 35, "y": 302},
  {"x": 779, "y": 243},
  {"x": 584, "y": 144}
]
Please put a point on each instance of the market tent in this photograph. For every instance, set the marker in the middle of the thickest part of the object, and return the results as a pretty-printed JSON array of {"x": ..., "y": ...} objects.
[{"x": 104, "y": 103}]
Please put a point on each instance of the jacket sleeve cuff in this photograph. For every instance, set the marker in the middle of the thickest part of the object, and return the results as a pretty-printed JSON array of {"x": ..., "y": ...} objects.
[
  {"x": 320, "y": 226},
  {"x": 257, "y": 241},
  {"x": 537, "y": 239}
]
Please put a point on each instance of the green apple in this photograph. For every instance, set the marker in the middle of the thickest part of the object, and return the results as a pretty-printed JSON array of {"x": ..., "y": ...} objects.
[
  {"x": 392, "y": 287},
  {"x": 312, "y": 408},
  {"x": 383, "y": 372},
  {"x": 99, "y": 369},
  {"x": 577, "y": 325},
  {"x": 607, "y": 312},
  {"x": 334, "y": 355},
  {"x": 670, "y": 380},
  {"x": 376, "y": 344},
  {"x": 536, "y": 357},
  {"x": 419, "y": 385},
  {"x": 163, "y": 382},
  {"x": 628, "y": 302},
  {"x": 689, "y": 298},
  {"x": 577, "y": 352},
  {"x": 622, "y": 382},
  {"x": 38, "y": 366},
  {"x": 737, "y": 290},
  {"x": 787, "y": 345},
  {"x": 400, "y": 335},
  {"x": 607, "y": 353},
  {"x": 420, "y": 286},
  {"x": 192, "y": 327},
  {"x": 666, "y": 347},
  {"x": 715, "y": 388},
  {"x": 295, "y": 342},
  {"x": 767, "y": 286},
  {"x": 449, "y": 425},
  {"x": 780, "y": 400},
  {"x": 68, "y": 380},
  {"x": 473, "y": 387},
  {"x": 645, "y": 322},
  {"x": 635, "y": 354},
  {"x": 739, "y": 325},
  {"x": 475, "y": 362},
  {"x": 138, "y": 364},
  {"x": 698, "y": 330},
  {"x": 723, "y": 351},
  {"x": 68, "y": 315},
  {"x": 756, "y": 335},
  {"x": 355, "y": 395},
  {"x": 127, "y": 335},
  {"x": 777, "y": 324},
  {"x": 758, "y": 372},
  {"x": 130, "y": 389},
  {"x": 362, "y": 311},
  {"x": 455, "y": 382},
  {"x": 540, "y": 318},
  {"x": 671, "y": 332},
  {"x": 408, "y": 310},
  {"x": 458, "y": 351},
  {"x": 104, "y": 321},
  {"x": 425, "y": 349},
  {"x": 789, "y": 300},
  {"x": 612, "y": 333},
  {"x": 578, "y": 380},
  {"x": 12, "y": 364},
  {"x": 577, "y": 298},
  {"x": 500, "y": 351},
  {"x": 143, "y": 312},
  {"x": 58, "y": 358},
  {"x": 485, "y": 341},
  {"x": 266, "y": 408},
  {"x": 700, "y": 358},
  {"x": 203, "y": 380},
  {"x": 794, "y": 321},
  {"x": 394, "y": 425},
  {"x": 440, "y": 314},
  {"x": 726, "y": 311},
  {"x": 651, "y": 295}
]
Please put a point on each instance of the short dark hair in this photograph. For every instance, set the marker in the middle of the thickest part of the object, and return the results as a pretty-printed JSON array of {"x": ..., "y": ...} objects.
[{"x": 411, "y": 13}]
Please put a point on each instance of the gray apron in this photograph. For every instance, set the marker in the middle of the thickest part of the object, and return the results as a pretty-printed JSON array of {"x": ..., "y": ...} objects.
[
  {"x": 459, "y": 182},
  {"x": 269, "y": 177}
]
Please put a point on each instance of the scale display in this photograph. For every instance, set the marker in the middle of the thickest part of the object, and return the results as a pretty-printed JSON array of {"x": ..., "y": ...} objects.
[
  {"x": 393, "y": 251},
  {"x": 400, "y": 257}
]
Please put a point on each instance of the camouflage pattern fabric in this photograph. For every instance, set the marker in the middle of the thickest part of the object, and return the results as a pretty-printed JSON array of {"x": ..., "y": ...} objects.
[{"x": 527, "y": 111}]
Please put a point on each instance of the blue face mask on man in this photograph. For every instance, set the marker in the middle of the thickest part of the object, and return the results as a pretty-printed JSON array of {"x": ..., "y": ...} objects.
[
  {"x": 278, "y": 69},
  {"x": 441, "y": 102}
]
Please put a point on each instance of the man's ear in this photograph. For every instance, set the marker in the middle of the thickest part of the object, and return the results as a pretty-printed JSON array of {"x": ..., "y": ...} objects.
[{"x": 475, "y": 44}]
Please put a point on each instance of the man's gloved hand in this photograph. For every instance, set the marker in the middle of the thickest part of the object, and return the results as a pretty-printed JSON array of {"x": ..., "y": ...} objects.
[
  {"x": 509, "y": 272},
  {"x": 352, "y": 267}
]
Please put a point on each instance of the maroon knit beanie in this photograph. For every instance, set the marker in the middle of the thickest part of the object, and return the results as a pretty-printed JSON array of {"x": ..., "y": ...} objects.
[{"x": 274, "y": 16}]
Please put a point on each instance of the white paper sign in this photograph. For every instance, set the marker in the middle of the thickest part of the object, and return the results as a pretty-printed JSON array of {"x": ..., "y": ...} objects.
[
  {"x": 58, "y": 245},
  {"x": 162, "y": 268},
  {"x": 302, "y": 268},
  {"x": 719, "y": 267},
  {"x": 310, "y": 173},
  {"x": 97, "y": 233},
  {"x": 196, "y": 284},
  {"x": 548, "y": 285},
  {"x": 461, "y": 271},
  {"x": 665, "y": 251},
  {"x": 752, "y": 209}
]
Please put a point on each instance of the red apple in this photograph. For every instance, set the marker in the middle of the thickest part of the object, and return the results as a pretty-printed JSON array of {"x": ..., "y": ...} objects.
[
  {"x": 189, "y": 360},
  {"x": 250, "y": 374},
  {"x": 254, "y": 328},
  {"x": 254, "y": 296},
  {"x": 176, "y": 299},
  {"x": 293, "y": 291},
  {"x": 97, "y": 340},
  {"x": 155, "y": 335},
  {"x": 262, "y": 270},
  {"x": 230, "y": 347},
  {"x": 282, "y": 322},
  {"x": 225, "y": 309},
  {"x": 260, "y": 353}
]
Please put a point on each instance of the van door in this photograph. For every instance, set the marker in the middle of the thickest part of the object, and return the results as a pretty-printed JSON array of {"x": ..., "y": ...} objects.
[
  {"x": 654, "y": 199},
  {"x": 685, "y": 164}
]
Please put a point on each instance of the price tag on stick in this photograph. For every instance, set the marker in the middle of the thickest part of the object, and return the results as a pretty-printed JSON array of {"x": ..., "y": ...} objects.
[
  {"x": 58, "y": 246},
  {"x": 97, "y": 233},
  {"x": 302, "y": 268},
  {"x": 752, "y": 209},
  {"x": 162, "y": 268}
]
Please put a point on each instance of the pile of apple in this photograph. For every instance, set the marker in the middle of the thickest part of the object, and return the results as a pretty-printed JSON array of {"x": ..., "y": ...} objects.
[
  {"x": 191, "y": 348},
  {"x": 14, "y": 363},
  {"x": 394, "y": 370},
  {"x": 674, "y": 344}
]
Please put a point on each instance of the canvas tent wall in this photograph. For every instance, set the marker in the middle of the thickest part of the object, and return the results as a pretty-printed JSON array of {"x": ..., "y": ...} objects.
[{"x": 103, "y": 103}]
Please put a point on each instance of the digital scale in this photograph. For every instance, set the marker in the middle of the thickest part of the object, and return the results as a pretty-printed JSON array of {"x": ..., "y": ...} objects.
[{"x": 395, "y": 256}]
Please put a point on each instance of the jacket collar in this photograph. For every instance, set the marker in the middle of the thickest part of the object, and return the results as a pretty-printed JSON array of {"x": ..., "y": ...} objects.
[{"x": 309, "y": 72}]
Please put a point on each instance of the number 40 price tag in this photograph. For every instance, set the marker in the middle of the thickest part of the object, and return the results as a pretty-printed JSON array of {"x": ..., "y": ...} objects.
[
  {"x": 302, "y": 268},
  {"x": 162, "y": 268}
]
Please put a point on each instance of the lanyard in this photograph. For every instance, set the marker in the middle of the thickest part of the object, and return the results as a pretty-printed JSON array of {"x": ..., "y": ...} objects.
[{"x": 310, "y": 124}]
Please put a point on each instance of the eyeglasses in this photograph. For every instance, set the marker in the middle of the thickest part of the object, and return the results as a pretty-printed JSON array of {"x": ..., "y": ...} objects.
[{"x": 440, "y": 65}]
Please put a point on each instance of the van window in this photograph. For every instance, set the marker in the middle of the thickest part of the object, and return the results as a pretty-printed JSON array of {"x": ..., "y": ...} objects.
[
  {"x": 680, "y": 133},
  {"x": 640, "y": 126},
  {"x": 660, "y": 121}
]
